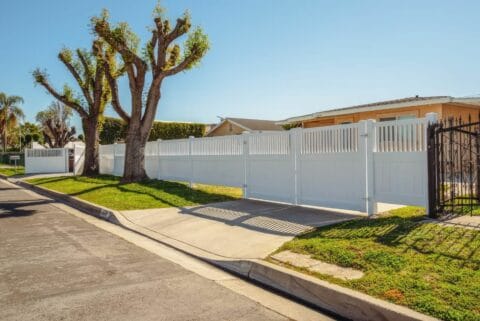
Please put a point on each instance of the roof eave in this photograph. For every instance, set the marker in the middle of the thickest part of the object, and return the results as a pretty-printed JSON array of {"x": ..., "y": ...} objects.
[{"x": 340, "y": 112}]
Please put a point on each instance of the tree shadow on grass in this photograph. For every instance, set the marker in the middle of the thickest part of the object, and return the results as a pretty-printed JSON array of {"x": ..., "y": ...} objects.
[
  {"x": 415, "y": 234},
  {"x": 186, "y": 195}
]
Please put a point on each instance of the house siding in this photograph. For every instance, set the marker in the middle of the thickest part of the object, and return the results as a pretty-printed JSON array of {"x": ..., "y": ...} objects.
[{"x": 443, "y": 110}]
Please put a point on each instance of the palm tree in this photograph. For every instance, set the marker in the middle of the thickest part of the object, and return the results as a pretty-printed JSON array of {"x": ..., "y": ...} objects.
[{"x": 10, "y": 112}]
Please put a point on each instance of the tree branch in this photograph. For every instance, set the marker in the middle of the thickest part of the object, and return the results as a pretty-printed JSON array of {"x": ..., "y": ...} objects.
[
  {"x": 85, "y": 65},
  {"x": 112, "y": 82},
  {"x": 77, "y": 77},
  {"x": 63, "y": 99},
  {"x": 181, "y": 27},
  {"x": 180, "y": 67}
]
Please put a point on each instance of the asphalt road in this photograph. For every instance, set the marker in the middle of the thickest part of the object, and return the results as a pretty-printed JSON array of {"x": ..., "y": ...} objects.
[{"x": 55, "y": 266}]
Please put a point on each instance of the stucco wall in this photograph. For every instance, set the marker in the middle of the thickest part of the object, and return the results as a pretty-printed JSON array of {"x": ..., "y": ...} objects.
[
  {"x": 460, "y": 110},
  {"x": 417, "y": 111}
]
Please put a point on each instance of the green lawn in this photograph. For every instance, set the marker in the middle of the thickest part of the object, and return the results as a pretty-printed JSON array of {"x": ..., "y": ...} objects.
[
  {"x": 11, "y": 171},
  {"x": 107, "y": 191},
  {"x": 427, "y": 267}
]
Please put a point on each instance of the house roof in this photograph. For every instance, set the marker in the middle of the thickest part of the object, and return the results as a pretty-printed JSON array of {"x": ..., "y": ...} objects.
[
  {"x": 250, "y": 124},
  {"x": 387, "y": 104}
]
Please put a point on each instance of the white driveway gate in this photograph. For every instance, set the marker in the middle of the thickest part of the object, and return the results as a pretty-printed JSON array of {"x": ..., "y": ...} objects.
[{"x": 351, "y": 166}]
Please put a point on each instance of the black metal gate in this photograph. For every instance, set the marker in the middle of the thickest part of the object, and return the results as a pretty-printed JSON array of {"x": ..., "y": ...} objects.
[{"x": 454, "y": 167}]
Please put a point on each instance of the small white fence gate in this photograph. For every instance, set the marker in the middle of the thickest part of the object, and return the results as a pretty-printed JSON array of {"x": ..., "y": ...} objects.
[
  {"x": 53, "y": 160},
  {"x": 351, "y": 166}
]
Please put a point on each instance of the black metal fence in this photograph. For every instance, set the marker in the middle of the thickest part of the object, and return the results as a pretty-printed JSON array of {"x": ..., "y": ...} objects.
[{"x": 454, "y": 167}]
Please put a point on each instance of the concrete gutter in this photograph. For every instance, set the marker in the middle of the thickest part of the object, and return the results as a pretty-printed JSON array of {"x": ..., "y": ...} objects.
[{"x": 326, "y": 296}]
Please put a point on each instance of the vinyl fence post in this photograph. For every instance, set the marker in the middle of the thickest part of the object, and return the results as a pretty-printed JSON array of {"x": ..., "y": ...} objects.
[
  {"x": 431, "y": 118},
  {"x": 190, "y": 143},
  {"x": 159, "y": 142},
  {"x": 67, "y": 160},
  {"x": 25, "y": 163},
  {"x": 245, "y": 163},
  {"x": 295, "y": 145},
  {"x": 368, "y": 140},
  {"x": 114, "y": 155}
]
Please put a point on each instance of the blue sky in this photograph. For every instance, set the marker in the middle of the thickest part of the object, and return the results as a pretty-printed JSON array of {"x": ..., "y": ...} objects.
[{"x": 268, "y": 59}]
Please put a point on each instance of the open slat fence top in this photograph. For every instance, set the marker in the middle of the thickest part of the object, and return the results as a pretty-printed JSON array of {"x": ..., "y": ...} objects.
[
  {"x": 52, "y": 152},
  {"x": 277, "y": 143},
  {"x": 407, "y": 135},
  {"x": 151, "y": 149},
  {"x": 177, "y": 147},
  {"x": 106, "y": 149},
  {"x": 218, "y": 146},
  {"x": 330, "y": 139}
]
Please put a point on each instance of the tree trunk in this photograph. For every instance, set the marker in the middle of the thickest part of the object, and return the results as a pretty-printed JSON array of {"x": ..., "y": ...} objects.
[
  {"x": 91, "y": 132},
  {"x": 5, "y": 138},
  {"x": 134, "y": 167}
]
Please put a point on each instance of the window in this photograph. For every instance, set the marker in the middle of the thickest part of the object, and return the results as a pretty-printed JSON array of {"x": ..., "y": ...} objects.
[
  {"x": 387, "y": 118},
  {"x": 399, "y": 117}
]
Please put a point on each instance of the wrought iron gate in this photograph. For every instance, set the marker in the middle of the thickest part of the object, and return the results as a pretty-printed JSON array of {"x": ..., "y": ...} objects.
[{"x": 454, "y": 167}]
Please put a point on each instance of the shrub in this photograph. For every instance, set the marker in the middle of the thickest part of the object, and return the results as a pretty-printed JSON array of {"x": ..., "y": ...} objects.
[{"x": 114, "y": 130}]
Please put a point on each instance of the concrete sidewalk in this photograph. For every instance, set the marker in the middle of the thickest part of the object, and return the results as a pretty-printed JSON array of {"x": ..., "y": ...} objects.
[{"x": 243, "y": 229}]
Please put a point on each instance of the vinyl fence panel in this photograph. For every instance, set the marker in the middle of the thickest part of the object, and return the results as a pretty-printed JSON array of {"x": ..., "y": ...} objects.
[
  {"x": 54, "y": 160},
  {"x": 106, "y": 159},
  {"x": 331, "y": 168}
]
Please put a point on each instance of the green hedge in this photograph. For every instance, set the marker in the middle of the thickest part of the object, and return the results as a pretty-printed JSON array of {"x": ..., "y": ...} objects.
[{"x": 114, "y": 130}]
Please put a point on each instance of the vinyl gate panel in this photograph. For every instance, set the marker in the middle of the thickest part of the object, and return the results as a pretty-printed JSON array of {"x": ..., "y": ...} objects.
[
  {"x": 401, "y": 178},
  {"x": 219, "y": 170},
  {"x": 331, "y": 167},
  {"x": 271, "y": 178},
  {"x": 332, "y": 180},
  {"x": 400, "y": 162}
]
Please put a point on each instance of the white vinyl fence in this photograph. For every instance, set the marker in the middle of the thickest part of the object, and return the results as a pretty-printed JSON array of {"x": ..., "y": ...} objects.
[
  {"x": 351, "y": 166},
  {"x": 53, "y": 160}
]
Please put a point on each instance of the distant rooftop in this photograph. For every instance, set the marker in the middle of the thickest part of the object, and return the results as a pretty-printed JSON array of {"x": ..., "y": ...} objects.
[
  {"x": 256, "y": 124},
  {"x": 251, "y": 125}
]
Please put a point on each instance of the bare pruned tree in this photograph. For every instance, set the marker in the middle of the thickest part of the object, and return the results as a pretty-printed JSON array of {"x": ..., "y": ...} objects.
[
  {"x": 55, "y": 122},
  {"x": 163, "y": 57},
  {"x": 87, "y": 68}
]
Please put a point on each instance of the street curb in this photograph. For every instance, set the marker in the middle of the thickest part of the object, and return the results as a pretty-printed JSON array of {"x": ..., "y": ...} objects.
[{"x": 341, "y": 301}]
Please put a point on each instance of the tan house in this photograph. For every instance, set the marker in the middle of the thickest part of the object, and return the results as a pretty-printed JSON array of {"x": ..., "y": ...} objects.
[
  {"x": 411, "y": 107},
  {"x": 236, "y": 126}
]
